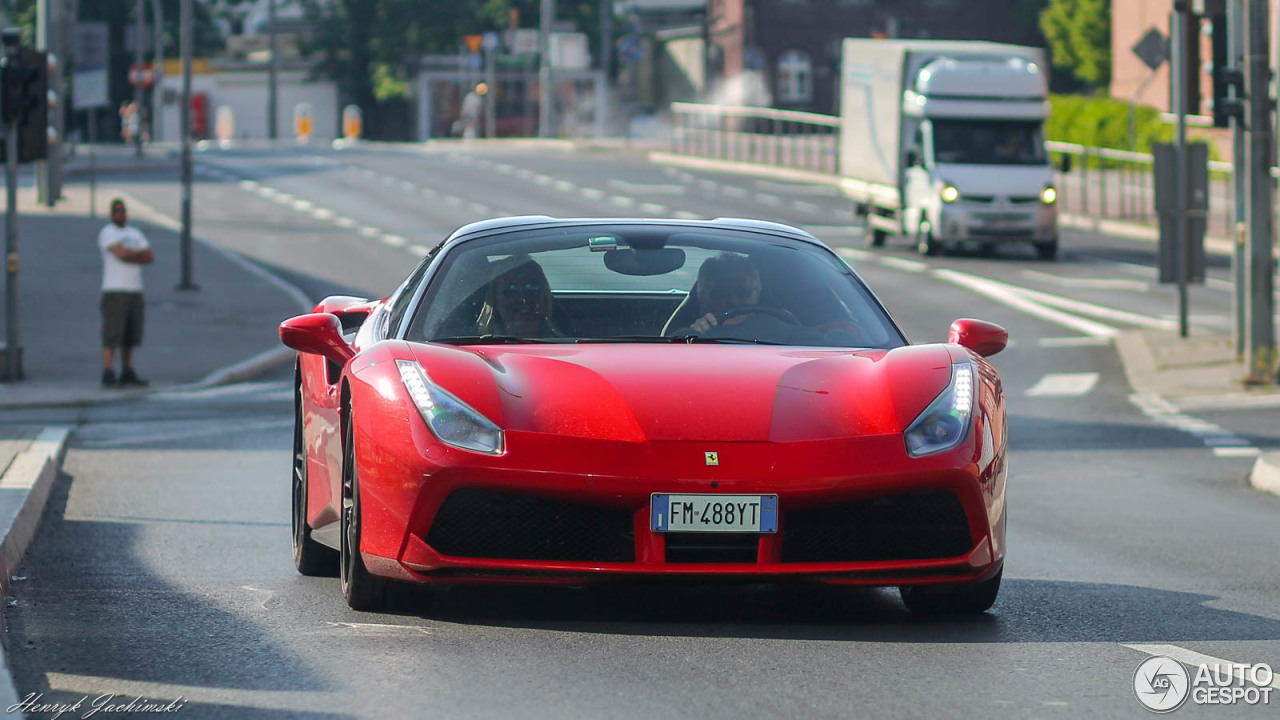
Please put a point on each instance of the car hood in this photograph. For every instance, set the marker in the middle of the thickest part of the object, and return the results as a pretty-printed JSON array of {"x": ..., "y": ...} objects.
[{"x": 721, "y": 393}]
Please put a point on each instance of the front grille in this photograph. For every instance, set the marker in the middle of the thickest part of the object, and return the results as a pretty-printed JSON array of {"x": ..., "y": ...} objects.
[
  {"x": 712, "y": 547},
  {"x": 508, "y": 526},
  {"x": 912, "y": 526}
]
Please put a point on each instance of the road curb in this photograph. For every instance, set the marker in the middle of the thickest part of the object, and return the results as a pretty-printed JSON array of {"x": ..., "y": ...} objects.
[
  {"x": 741, "y": 168},
  {"x": 24, "y": 490},
  {"x": 1266, "y": 473}
]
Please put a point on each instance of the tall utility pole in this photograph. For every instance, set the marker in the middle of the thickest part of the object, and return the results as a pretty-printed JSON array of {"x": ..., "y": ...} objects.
[
  {"x": 141, "y": 10},
  {"x": 157, "y": 82},
  {"x": 1179, "y": 72},
  {"x": 44, "y": 32},
  {"x": 273, "y": 74},
  {"x": 185, "y": 34},
  {"x": 1260, "y": 341},
  {"x": 544, "y": 69},
  {"x": 12, "y": 40},
  {"x": 606, "y": 56},
  {"x": 1239, "y": 176}
]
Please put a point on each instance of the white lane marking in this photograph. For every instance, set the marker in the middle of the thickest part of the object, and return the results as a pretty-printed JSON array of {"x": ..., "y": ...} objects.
[
  {"x": 1064, "y": 385},
  {"x": 732, "y": 191},
  {"x": 543, "y": 179},
  {"x": 248, "y": 185},
  {"x": 593, "y": 193},
  {"x": 1092, "y": 283},
  {"x": 565, "y": 186},
  {"x": 244, "y": 388},
  {"x": 858, "y": 255},
  {"x": 480, "y": 208},
  {"x": 419, "y": 250},
  {"x": 283, "y": 198},
  {"x": 393, "y": 240},
  {"x": 686, "y": 215},
  {"x": 1193, "y": 658},
  {"x": 283, "y": 701},
  {"x": 369, "y": 231},
  {"x": 621, "y": 201},
  {"x": 267, "y": 192},
  {"x": 1098, "y": 311},
  {"x": 646, "y": 188},
  {"x": 453, "y": 200},
  {"x": 654, "y": 208},
  {"x": 503, "y": 168},
  {"x": 345, "y": 222},
  {"x": 524, "y": 173},
  {"x": 914, "y": 266},
  {"x": 768, "y": 199},
  {"x": 322, "y": 214},
  {"x": 427, "y": 192},
  {"x": 1236, "y": 451},
  {"x": 1007, "y": 295},
  {"x": 302, "y": 205},
  {"x": 1068, "y": 342},
  {"x": 406, "y": 185}
]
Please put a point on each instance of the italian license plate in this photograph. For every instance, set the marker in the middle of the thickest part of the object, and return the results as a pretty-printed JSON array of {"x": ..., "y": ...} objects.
[{"x": 713, "y": 513}]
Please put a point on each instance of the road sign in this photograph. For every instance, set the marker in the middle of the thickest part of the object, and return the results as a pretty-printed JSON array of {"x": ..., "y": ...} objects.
[
  {"x": 89, "y": 44},
  {"x": 474, "y": 42},
  {"x": 89, "y": 88},
  {"x": 142, "y": 75},
  {"x": 524, "y": 42},
  {"x": 490, "y": 41},
  {"x": 1153, "y": 48}
]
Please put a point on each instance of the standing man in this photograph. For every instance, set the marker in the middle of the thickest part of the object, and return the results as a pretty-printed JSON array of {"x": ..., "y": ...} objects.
[
  {"x": 472, "y": 107},
  {"x": 124, "y": 251}
]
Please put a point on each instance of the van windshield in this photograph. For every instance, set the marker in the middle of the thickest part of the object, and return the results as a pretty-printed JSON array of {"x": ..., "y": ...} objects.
[{"x": 988, "y": 142}]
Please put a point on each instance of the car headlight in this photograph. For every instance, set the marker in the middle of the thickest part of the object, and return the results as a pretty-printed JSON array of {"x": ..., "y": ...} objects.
[
  {"x": 950, "y": 193},
  {"x": 945, "y": 423},
  {"x": 451, "y": 420},
  {"x": 1049, "y": 195}
]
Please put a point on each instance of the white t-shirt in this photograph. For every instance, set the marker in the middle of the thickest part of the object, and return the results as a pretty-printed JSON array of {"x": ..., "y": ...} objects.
[{"x": 118, "y": 275}]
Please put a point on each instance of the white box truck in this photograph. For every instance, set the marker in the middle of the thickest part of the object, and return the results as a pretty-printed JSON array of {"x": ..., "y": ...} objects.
[{"x": 943, "y": 142}]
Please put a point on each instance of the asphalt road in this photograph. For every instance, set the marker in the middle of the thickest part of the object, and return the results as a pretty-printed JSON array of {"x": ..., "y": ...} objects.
[{"x": 162, "y": 567}]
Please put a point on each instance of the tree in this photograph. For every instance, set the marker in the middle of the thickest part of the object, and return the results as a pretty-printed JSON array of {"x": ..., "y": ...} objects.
[{"x": 1079, "y": 35}]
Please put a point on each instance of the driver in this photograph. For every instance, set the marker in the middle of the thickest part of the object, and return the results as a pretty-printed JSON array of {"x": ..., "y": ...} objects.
[
  {"x": 725, "y": 282},
  {"x": 518, "y": 300}
]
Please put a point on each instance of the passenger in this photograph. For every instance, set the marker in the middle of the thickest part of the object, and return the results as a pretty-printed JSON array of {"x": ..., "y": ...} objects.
[
  {"x": 725, "y": 282},
  {"x": 518, "y": 301}
]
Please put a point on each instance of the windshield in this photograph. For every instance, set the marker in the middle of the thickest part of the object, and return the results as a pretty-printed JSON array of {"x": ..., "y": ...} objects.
[
  {"x": 648, "y": 283},
  {"x": 988, "y": 142}
]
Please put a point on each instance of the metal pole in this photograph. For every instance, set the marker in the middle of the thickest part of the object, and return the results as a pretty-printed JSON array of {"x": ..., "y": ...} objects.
[
  {"x": 1179, "y": 32},
  {"x": 491, "y": 97},
  {"x": 606, "y": 61},
  {"x": 1239, "y": 175},
  {"x": 186, "y": 41},
  {"x": 12, "y": 347},
  {"x": 273, "y": 78},
  {"x": 42, "y": 43},
  {"x": 1260, "y": 344},
  {"x": 157, "y": 85},
  {"x": 93, "y": 162},
  {"x": 544, "y": 70},
  {"x": 140, "y": 9}
]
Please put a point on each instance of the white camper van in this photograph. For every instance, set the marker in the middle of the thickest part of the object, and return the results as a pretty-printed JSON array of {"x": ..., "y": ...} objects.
[{"x": 943, "y": 142}]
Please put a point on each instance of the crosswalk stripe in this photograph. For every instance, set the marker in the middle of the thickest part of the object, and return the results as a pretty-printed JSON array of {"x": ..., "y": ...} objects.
[{"x": 1064, "y": 384}]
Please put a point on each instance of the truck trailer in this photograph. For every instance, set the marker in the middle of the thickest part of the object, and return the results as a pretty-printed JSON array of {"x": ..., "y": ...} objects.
[{"x": 943, "y": 142}]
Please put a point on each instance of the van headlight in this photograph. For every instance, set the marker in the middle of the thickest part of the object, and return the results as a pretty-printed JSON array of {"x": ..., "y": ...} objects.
[
  {"x": 452, "y": 421},
  {"x": 945, "y": 423},
  {"x": 950, "y": 193},
  {"x": 1049, "y": 195}
]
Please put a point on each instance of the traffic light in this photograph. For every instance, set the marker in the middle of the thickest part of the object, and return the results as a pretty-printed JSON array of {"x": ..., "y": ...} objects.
[
  {"x": 1225, "y": 77},
  {"x": 24, "y": 73}
]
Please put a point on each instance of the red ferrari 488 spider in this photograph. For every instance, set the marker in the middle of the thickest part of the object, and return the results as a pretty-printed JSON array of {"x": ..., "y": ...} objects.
[{"x": 562, "y": 401}]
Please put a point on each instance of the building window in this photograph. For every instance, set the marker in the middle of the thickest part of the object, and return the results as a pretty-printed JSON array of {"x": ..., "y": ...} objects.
[{"x": 795, "y": 77}]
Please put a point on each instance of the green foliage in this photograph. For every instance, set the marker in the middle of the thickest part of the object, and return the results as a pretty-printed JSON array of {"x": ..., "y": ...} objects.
[
  {"x": 387, "y": 84},
  {"x": 1104, "y": 122},
  {"x": 1079, "y": 35}
]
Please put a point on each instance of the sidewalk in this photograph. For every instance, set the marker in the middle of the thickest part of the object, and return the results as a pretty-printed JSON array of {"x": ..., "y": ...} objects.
[
  {"x": 118, "y": 158},
  {"x": 1200, "y": 371},
  {"x": 223, "y": 332}
]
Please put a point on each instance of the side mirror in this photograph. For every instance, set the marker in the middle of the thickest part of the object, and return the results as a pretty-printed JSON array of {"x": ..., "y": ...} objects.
[
  {"x": 317, "y": 334},
  {"x": 1064, "y": 163},
  {"x": 984, "y": 338}
]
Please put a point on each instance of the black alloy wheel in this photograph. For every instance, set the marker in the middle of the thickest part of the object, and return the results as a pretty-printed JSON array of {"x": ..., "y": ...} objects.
[
  {"x": 362, "y": 590},
  {"x": 309, "y": 557}
]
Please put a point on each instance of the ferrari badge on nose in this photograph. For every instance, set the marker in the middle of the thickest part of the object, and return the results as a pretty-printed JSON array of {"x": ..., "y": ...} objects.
[{"x": 712, "y": 458}]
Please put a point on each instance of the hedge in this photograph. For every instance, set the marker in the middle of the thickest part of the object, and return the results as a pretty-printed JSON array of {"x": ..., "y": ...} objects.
[{"x": 1104, "y": 122}]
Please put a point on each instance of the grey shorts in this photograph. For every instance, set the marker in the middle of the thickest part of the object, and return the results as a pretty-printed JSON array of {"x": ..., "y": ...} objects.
[{"x": 121, "y": 319}]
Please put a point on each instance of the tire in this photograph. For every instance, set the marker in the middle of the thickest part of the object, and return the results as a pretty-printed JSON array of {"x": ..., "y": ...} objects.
[
  {"x": 1047, "y": 250},
  {"x": 925, "y": 242},
  {"x": 362, "y": 590},
  {"x": 309, "y": 557},
  {"x": 969, "y": 599}
]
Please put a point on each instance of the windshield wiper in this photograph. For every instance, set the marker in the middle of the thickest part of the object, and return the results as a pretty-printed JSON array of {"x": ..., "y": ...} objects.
[{"x": 489, "y": 340}]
